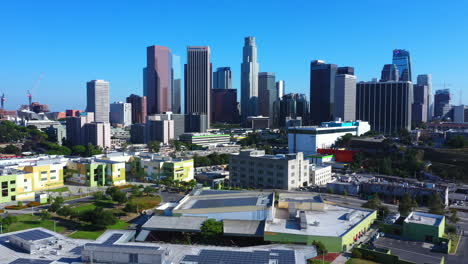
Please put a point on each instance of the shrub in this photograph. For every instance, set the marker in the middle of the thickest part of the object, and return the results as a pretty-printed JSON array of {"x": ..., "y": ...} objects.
[
  {"x": 33, "y": 204},
  {"x": 356, "y": 253},
  {"x": 130, "y": 207}
]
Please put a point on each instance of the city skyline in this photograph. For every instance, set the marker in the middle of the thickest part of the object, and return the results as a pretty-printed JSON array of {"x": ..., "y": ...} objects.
[{"x": 121, "y": 62}]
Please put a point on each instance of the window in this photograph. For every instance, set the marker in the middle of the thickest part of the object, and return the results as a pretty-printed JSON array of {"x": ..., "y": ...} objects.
[
  {"x": 12, "y": 189},
  {"x": 4, "y": 192},
  {"x": 43, "y": 172},
  {"x": 53, "y": 171},
  {"x": 53, "y": 177},
  {"x": 13, "y": 182},
  {"x": 4, "y": 185},
  {"x": 25, "y": 180},
  {"x": 292, "y": 167},
  {"x": 132, "y": 258},
  {"x": 43, "y": 179}
]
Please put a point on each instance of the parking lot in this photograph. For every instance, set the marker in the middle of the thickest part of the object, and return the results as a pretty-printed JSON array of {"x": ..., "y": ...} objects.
[{"x": 418, "y": 252}]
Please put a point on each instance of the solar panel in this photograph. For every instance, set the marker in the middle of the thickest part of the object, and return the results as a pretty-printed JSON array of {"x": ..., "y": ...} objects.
[
  {"x": 236, "y": 257},
  {"x": 112, "y": 239},
  {"x": 33, "y": 235},
  {"x": 225, "y": 202},
  {"x": 30, "y": 261},
  {"x": 121, "y": 246}
]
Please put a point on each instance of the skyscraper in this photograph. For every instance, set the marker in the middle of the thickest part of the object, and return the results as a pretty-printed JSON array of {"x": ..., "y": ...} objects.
[
  {"x": 267, "y": 93},
  {"x": 198, "y": 77},
  {"x": 222, "y": 78},
  {"x": 249, "y": 79},
  {"x": 389, "y": 73},
  {"x": 280, "y": 88},
  {"x": 291, "y": 106},
  {"x": 345, "y": 95},
  {"x": 138, "y": 108},
  {"x": 158, "y": 79},
  {"x": 322, "y": 88},
  {"x": 419, "y": 111},
  {"x": 121, "y": 113},
  {"x": 442, "y": 104},
  {"x": 224, "y": 106},
  {"x": 385, "y": 105},
  {"x": 176, "y": 83},
  {"x": 98, "y": 100},
  {"x": 426, "y": 79},
  {"x": 402, "y": 59}
]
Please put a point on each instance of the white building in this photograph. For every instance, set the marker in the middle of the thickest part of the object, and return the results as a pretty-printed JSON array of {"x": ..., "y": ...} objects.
[
  {"x": 121, "y": 113},
  {"x": 98, "y": 134},
  {"x": 205, "y": 139},
  {"x": 308, "y": 139},
  {"x": 460, "y": 114},
  {"x": 320, "y": 175}
]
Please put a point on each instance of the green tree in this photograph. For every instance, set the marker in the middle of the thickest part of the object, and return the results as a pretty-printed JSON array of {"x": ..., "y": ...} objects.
[
  {"x": 99, "y": 217},
  {"x": 212, "y": 228},
  {"x": 79, "y": 150},
  {"x": 321, "y": 249},
  {"x": 406, "y": 205},
  {"x": 56, "y": 204},
  {"x": 451, "y": 229},
  {"x": 459, "y": 141},
  {"x": 98, "y": 196},
  {"x": 65, "y": 211},
  {"x": 44, "y": 215},
  {"x": 148, "y": 190},
  {"x": 154, "y": 146},
  {"x": 120, "y": 197},
  {"x": 453, "y": 218},
  {"x": 435, "y": 205},
  {"x": 343, "y": 141},
  {"x": 130, "y": 207},
  {"x": 9, "y": 219},
  {"x": 12, "y": 149}
]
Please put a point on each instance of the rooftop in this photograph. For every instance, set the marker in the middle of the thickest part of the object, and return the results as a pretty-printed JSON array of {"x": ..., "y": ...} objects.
[
  {"x": 175, "y": 223},
  {"x": 424, "y": 218}
]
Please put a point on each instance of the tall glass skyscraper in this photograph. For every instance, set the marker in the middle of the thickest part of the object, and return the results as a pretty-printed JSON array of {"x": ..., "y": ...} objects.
[
  {"x": 389, "y": 73},
  {"x": 198, "y": 78},
  {"x": 402, "y": 59},
  {"x": 280, "y": 88},
  {"x": 98, "y": 100},
  {"x": 222, "y": 78},
  {"x": 322, "y": 91},
  {"x": 442, "y": 105},
  {"x": 158, "y": 79},
  {"x": 267, "y": 93},
  {"x": 176, "y": 83},
  {"x": 426, "y": 79},
  {"x": 249, "y": 79},
  {"x": 292, "y": 106}
]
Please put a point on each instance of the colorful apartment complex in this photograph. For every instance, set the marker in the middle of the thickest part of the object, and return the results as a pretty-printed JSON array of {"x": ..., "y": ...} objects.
[
  {"x": 94, "y": 172},
  {"x": 158, "y": 167}
]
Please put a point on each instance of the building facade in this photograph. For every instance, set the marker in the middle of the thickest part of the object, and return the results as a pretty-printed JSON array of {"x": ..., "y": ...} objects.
[
  {"x": 442, "y": 106},
  {"x": 74, "y": 127},
  {"x": 158, "y": 167},
  {"x": 98, "y": 134},
  {"x": 267, "y": 93},
  {"x": 224, "y": 106},
  {"x": 402, "y": 59},
  {"x": 138, "y": 106},
  {"x": 249, "y": 79},
  {"x": 176, "y": 84},
  {"x": 98, "y": 100},
  {"x": 320, "y": 174},
  {"x": 121, "y": 114},
  {"x": 385, "y": 105},
  {"x": 157, "y": 79},
  {"x": 94, "y": 172},
  {"x": 322, "y": 87},
  {"x": 426, "y": 79},
  {"x": 460, "y": 114},
  {"x": 389, "y": 73},
  {"x": 345, "y": 97},
  {"x": 291, "y": 107},
  {"x": 198, "y": 81},
  {"x": 254, "y": 169},
  {"x": 222, "y": 78},
  {"x": 420, "y": 104},
  {"x": 205, "y": 139},
  {"x": 280, "y": 88}
]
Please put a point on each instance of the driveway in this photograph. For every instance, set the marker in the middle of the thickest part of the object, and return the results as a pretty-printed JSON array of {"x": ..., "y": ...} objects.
[{"x": 418, "y": 252}]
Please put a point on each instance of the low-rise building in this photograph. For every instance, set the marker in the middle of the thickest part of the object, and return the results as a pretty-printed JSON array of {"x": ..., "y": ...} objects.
[
  {"x": 96, "y": 172},
  {"x": 308, "y": 139},
  {"x": 159, "y": 167},
  {"x": 320, "y": 174},
  {"x": 205, "y": 139},
  {"x": 425, "y": 227},
  {"x": 254, "y": 169}
]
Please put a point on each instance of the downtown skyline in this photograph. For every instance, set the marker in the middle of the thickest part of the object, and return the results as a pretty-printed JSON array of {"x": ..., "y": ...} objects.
[{"x": 287, "y": 54}]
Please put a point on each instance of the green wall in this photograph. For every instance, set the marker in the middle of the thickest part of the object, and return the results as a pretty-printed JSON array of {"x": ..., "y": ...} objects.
[
  {"x": 7, "y": 179},
  {"x": 414, "y": 231},
  {"x": 333, "y": 244},
  {"x": 348, "y": 237}
]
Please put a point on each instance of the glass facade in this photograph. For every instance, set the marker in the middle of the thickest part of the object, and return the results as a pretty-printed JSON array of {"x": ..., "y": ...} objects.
[
  {"x": 158, "y": 79},
  {"x": 401, "y": 58},
  {"x": 322, "y": 87}
]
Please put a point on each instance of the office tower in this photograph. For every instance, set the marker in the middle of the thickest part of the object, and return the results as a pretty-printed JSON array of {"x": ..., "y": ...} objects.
[
  {"x": 176, "y": 84},
  {"x": 389, "y": 73},
  {"x": 138, "y": 133},
  {"x": 419, "y": 111},
  {"x": 159, "y": 130},
  {"x": 74, "y": 126},
  {"x": 139, "y": 104},
  {"x": 158, "y": 79},
  {"x": 249, "y": 79},
  {"x": 345, "y": 95},
  {"x": 224, "y": 106},
  {"x": 98, "y": 100},
  {"x": 198, "y": 81},
  {"x": 291, "y": 106},
  {"x": 460, "y": 114},
  {"x": 267, "y": 93},
  {"x": 222, "y": 78},
  {"x": 345, "y": 70},
  {"x": 426, "y": 79},
  {"x": 322, "y": 87},
  {"x": 72, "y": 112},
  {"x": 98, "y": 134},
  {"x": 280, "y": 88},
  {"x": 121, "y": 113},
  {"x": 402, "y": 59},
  {"x": 196, "y": 123},
  {"x": 442, "y": 103},
  {"x": 385, "y": 105}
]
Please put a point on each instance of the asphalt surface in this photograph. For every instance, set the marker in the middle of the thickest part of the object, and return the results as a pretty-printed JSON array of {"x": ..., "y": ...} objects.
[
  {"x": 462, "y": 253},
  {"x": 418, "y": 252}
]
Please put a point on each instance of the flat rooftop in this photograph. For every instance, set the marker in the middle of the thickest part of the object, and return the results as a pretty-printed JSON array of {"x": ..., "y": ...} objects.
[
  {"x": 424, "y": 218},
  {"x": 175, "y": 223},
  {"x": 226, "y": 200},
  {"x": 299, "y": 197},
  {"x": 330, "y": 222}
]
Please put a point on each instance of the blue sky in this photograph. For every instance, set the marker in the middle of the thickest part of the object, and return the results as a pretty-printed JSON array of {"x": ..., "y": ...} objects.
[{"x": 71, "y": 42}]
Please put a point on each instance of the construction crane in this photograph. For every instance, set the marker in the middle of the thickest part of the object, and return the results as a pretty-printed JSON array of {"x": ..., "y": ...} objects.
[
  {"x": 3, "y": 101},
  {"x": 29, "y": 94}
]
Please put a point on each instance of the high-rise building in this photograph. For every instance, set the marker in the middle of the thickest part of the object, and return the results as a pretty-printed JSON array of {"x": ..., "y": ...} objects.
[
  {"x": 345, "y": 94},
  {"x": 74, "y": 126},
  {"x": 158, "y": 79},
  {"x": 322, "y": 88},
  {"x": 138, "y": 108},
  {"x": 98, "y": 99},
  {"x": 224, "y": 106},
  {"x": 176, "y": 84},
  {"x": 198, "y": 81},
  {"x": 121, "y": 113},
  {"x": 159, "y": 130},
  {"x": 249, "y": 79},
  {"x": 98, "y": 134},
  {"x": 460, "y": 114},
  {"x": 267, "y": 93},
  {"x": 222, "y": 78},
  {"x": 402, "y": 59},
  {"x": 426, "y": 79},
  {"x": 291, "y": 106},
  {"x": 280, "y": 88},
  {"x": 385, "y": 105},
  {"x": 389, "y": 73},
  {"x": 419, "y": 111},
  {"x": 442, "y": 104}
]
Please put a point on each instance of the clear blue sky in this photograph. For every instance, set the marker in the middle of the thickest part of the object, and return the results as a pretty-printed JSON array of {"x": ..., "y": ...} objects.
[{"x": 71, "y": 42}]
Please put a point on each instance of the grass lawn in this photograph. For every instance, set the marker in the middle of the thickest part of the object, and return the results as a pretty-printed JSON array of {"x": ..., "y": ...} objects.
[
  {"x": 80, "y": 208},
  {"x": 359, "y": 261},
  {"x": 455, "y": 239},
  {"x": 31, "y": 221},
  {"x": 146, "y": 202},
  {"x": 61, "y": 189},
  {"x": 318, "y": 261},
  {"x": 88, "y": 233}
]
